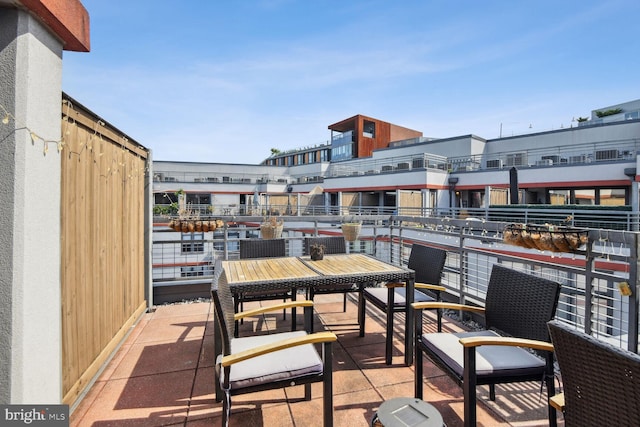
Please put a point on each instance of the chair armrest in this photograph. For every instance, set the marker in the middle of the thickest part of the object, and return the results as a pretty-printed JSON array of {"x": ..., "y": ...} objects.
[
  {"x": 275, "y": 307},
  {"x": 506, "y": 341},
  {"x": 417, "y": 286},
  {"x": 318, "y": 337},
  {"x": 431, "y": 287},
  {"x": 446, "y": 305},
  {"x": 557, "y": 401}
]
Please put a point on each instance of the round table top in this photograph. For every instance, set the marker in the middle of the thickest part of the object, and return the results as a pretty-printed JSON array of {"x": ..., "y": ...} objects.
[{"x": 408, "y": 411}]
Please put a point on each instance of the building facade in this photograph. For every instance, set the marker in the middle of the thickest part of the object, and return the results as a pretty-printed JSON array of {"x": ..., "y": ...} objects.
[{"x": 371, "y": 164}]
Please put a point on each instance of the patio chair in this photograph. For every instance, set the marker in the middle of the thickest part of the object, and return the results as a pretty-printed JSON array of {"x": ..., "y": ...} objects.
[
  {"x": 601, "y": 382},
  {"x": 265, "y": 362},
  {"x": 264, "y": 248},
  {"x": 428, "y": 264},
  {"x": 332, "y": 245},
  {"x": 517, "y": 309}
]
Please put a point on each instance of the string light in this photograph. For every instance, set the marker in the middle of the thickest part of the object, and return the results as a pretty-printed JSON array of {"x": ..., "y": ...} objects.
[{"x": 119, "y": 165}]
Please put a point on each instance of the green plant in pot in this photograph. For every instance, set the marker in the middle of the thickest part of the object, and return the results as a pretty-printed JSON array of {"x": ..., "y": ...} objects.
[{"x": 316, "y": 252}]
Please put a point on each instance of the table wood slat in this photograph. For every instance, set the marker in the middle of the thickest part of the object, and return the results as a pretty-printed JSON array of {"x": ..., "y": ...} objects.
[
  {"x": 344, "y": 264},
  {"x": 266, "y": 269}
]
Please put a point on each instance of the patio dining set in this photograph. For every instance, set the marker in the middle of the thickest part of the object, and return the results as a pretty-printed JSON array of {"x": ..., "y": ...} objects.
[{"x": 520, "y": 340}]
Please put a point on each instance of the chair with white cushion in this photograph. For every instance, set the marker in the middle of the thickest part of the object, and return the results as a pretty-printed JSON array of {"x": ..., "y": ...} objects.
[
  {"x": 264, "y": 362},
  {"x": 517, "y": 309}
]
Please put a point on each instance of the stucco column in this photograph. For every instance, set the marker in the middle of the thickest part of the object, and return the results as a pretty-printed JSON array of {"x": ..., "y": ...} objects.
[{"x": 30, "y": 306}]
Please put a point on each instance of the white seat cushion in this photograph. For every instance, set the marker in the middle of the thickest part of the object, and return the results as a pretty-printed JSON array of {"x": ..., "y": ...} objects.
[
  {"x": 289, "y": 363},
  {"x": 491, "y": 360}
]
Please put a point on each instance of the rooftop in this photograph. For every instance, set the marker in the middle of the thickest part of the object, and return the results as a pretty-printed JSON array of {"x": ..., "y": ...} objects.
[{"x": 163, "y": 375}]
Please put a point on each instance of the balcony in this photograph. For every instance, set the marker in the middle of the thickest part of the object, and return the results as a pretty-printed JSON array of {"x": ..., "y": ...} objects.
[{"x": 163, "y": 375}]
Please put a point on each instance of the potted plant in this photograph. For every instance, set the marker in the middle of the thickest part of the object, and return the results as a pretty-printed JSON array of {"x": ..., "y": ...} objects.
[{"x": 316, "y": 252}]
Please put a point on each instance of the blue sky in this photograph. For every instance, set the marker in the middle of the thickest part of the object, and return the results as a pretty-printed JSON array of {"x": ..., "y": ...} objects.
[{"x": 227, "y": 80}]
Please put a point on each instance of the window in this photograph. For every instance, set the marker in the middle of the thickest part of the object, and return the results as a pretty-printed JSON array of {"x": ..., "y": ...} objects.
[
  {"x": 613, "y": 196},
  {"x": 369, "y": 129},
  {"x": 199, "y": 199},
  {"x": 196, "y": 271},
  {"x": 632, "y": 116},
  {"x": 300, "y": 159},
  {"x": 232, "y": 245},
  {"x": 342, "y": 149},
  {"x": 192, "y": 242}
]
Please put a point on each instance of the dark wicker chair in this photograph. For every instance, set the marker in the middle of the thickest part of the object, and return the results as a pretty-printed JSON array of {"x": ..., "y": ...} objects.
[
  {"x": 332, "y": 245},
  {"x": 264, "y": 248},
  {"x": 601, "y": 383},
  {"x": 428, "y": 264},
  {"x": 517, "y": 309},
  {"x": 265, "y": 362}
]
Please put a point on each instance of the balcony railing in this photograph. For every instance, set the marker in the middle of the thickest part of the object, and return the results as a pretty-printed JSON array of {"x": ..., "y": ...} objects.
[
  {"x": 590, "y": 278},
  {"x": 609, "y": 217}
]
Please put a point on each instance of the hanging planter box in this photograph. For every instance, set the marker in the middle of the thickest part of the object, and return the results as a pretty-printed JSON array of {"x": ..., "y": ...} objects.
[
  {"x": 271, "y": 229},
  {"x": 195, "y": 225},
  {"x": 351, "y": 231},
  {"x": 552, "y": 238}
]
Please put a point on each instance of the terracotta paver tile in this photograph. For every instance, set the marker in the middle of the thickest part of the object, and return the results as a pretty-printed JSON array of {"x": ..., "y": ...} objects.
[
  {"x": 173, "y": 328},
  {"x": 163, "y": 375},
  {"x": 187, "y": 309},
  {"x": 150, "y": 400},
  {"x": 149, "y": 358},
  {"x": 352, "y": 409},
  {"x": 94, "y": 395}
]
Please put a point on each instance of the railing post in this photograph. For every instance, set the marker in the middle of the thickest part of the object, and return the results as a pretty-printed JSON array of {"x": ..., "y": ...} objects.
[
  {"x": 588, "y": 286},
  {"x": 633, "y": 298},
  {"x": 226, "y": 241}
]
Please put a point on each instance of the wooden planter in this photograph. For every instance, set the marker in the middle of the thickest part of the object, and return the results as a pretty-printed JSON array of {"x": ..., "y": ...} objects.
[
  {"x": 351, "y": 231},
  {"x": 270, "y": 231},
  {"x": 546, "y": 237},
  {"x": 195, "y": 225}
]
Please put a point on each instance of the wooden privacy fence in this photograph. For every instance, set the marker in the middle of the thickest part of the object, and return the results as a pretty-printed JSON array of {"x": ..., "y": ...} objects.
[{"x": 102, "y": 242}]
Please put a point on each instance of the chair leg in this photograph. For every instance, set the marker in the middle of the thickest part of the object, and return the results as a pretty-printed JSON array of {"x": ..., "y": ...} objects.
[
  {"x": 361, "y": 310},
  {"x": 492, "y": 392},
  {"x": 307, "y": 392},
  {"x": 236, "y": 327},
  {"x": 388, "y": 352},
  {"x": 344, "y": 303},
  {"x": 226, "y": 408},
  {"x": 469, "y": 386},
  {"x": 551, "y": 390},
  {"x": 294, "y": 292},
  {"x": 418, "y": 373},
  {"x": 327, "y": 383}
]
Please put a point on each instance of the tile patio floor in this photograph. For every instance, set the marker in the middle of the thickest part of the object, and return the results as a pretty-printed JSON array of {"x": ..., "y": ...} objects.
[{"x": 163, "y": 376}]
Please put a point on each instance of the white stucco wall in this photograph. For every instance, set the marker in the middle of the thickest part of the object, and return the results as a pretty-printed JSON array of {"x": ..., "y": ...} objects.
[{"x": 31, "y": 63}]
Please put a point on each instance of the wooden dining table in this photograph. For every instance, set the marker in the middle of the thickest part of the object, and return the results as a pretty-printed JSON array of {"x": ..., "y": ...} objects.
[{"x": 260, "y": 274}]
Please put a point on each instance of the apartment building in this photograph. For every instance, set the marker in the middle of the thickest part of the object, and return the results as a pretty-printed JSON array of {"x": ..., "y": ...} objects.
[{"x": 373, "y": 164}]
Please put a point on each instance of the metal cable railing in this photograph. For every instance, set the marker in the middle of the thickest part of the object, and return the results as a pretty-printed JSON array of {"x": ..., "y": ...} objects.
[{"x": 591, "y": 278}]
